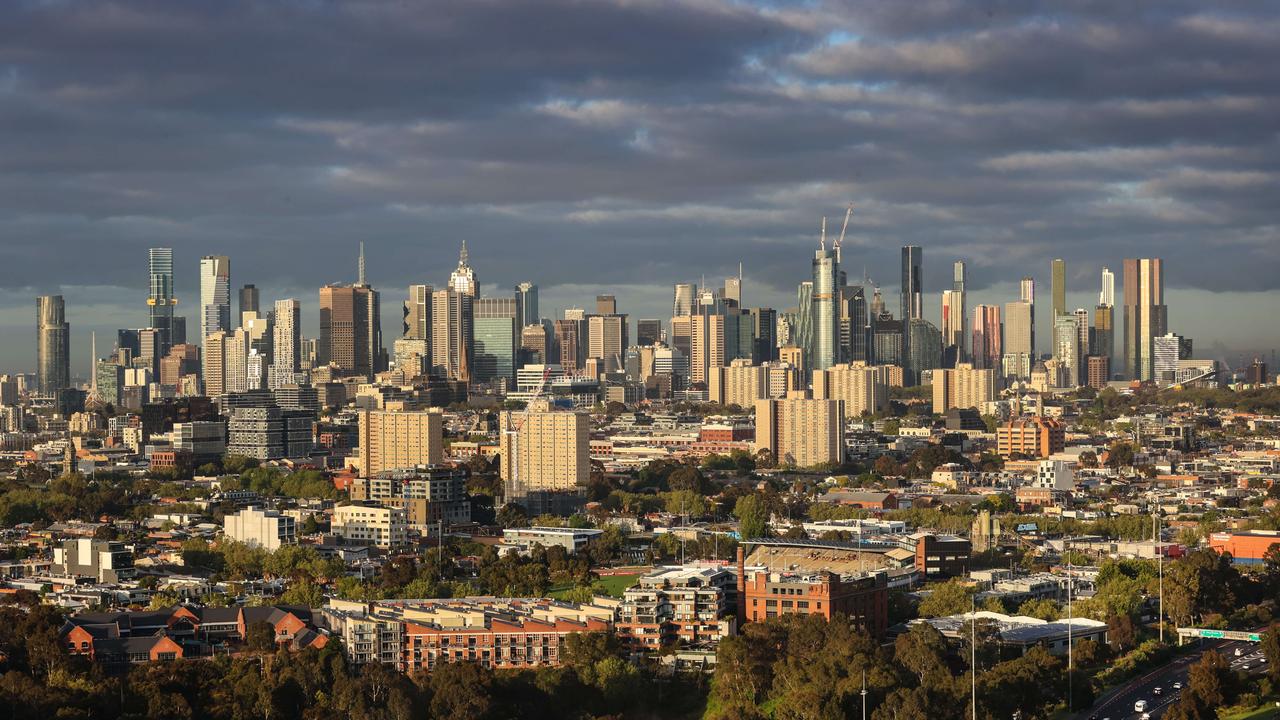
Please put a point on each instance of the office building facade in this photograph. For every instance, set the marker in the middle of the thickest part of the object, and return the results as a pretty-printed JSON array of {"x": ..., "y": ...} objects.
[{"x": 53, "y": 345}]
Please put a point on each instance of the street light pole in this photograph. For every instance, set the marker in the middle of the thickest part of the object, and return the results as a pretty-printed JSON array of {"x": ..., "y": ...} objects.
[
  {"x": 973, "y": 657},
  {"x": 1155, "y": 532},
  {"x": 864, "y": 695}
]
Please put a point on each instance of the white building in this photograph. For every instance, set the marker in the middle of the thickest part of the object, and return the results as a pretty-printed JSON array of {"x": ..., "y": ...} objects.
[
  {"x": 1055, "y": 475},
  {"x": 383, "y": 527},
  {"x": 261, "y": 528}
]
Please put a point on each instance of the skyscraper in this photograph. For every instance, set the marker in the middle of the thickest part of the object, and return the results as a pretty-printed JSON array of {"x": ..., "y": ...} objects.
[
  {"x": 954, "y": 333},
  {"x": 685, "y": 293},
  {"x": 924, "y": 348},
  {"x": 987, "y": 337},
  {"x": 1166, "y": 351},
  {"x": 215, "y": 294},
  {"x": 1059, "y": 287},
  {"x": 1066, "y": 347},
  {"x": 53, "y": 345},
  {"x": 765, "y": 334},
  {"x": 527, "y": 304},
  {"x": 912, "y": 302},
  {"x": 1145, "y": 315},
  {"x": 286, "y": 343},
  {"x": 494, "y": 339},
  {"x": 250, "y": 301},
  {"x": 452, "y": 323},
  {"x": 351, "y": 327},
  {"x": 1027, "y": 294},
  {"x": 606, "y": 305},
  {"x": 1019, "y": 339},
  {"x": 1104, "y": 319},
  {"x": 733, "y": 290},
  {"x": 417, "y": 313},
  {"x": 824, "y": 349},
  {"x": 1108, "y": 295},
  {"x": 161, "y": 299},
  {"x": 853, "y": 323},
  {"x": 648, "y": 332},
  {"x": 463, "y": 280}
]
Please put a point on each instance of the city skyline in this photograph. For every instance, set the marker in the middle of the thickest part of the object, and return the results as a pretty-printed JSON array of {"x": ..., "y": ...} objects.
[
  {"x": 189, "y": 299},
  {"x": 638, "y": 168}
]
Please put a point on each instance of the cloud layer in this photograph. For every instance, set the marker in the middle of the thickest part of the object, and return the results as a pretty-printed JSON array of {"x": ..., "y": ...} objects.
[{"x": 635, "y": 142}]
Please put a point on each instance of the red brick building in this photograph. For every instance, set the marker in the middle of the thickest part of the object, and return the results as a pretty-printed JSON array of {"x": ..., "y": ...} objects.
[{"x": 764, "y": 594}]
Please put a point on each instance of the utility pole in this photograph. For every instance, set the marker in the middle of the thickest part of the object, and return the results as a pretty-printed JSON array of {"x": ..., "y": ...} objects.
[
  {"x": 1070, "y": 623},
  {"x": 973, "y": 657},
  {"x": 1155, "y": 524}
]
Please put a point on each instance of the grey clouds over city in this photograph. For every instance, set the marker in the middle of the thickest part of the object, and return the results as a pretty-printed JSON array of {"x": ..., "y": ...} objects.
[{"x": 625, "y": 146}]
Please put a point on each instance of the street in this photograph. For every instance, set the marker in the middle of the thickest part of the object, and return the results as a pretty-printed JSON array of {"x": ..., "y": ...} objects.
[{"x": 1118, "y": 704}]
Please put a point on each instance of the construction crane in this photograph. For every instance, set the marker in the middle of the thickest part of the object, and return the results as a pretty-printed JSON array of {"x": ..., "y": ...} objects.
[
  {"x": 516, "y": 488},
  {"x": 848, "y": 212}
]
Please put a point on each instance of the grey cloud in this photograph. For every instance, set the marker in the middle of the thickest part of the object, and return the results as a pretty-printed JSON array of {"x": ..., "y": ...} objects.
[{"x": 583, "y": 144}]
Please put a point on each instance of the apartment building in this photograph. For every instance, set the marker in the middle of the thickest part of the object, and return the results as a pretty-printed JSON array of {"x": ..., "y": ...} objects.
[
  {"x": 687, "y": 604},
  {"x": 257, "y": 527},
  {"x": 800, "y": 431},
  {"x": 863, "y": 388},
  {"x": 963, "y": 386},
  {"x": 432, "y": 496},
  {"x": 741, "y": 383},
  {"x": 544, "y": 451},
  {"x": 397, "y": 440},
  {"x": 1033, "y": 437},
  {"x": 369, "y": 524}
]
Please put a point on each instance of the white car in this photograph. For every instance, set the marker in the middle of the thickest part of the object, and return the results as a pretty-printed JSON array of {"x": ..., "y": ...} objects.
[
  {"x": 1140, "y": 706},
  {"x": 1177, "y": 685},
  {"x": 1238, "y": 652}
]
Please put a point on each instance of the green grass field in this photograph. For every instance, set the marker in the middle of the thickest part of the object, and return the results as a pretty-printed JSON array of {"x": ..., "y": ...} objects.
[{"x": 611, "y": 585}]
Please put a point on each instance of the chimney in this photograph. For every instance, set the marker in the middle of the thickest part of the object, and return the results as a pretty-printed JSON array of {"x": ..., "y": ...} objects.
[{"x": 742, "y": 586}]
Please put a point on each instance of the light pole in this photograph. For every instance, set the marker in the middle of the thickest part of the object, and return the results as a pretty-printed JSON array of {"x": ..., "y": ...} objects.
[
  {"x": 864, "y": 695},
  {"x": 1155, "y": 536},
  {"x": 973, "y": 657}
]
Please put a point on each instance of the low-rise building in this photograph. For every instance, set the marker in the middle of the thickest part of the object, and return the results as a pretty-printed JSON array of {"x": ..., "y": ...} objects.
[
  {"x": 1246, "y": 548},
  {"x": 687, "y": 604},
  {"x": 104, "y": 561},
  {"x": 1022, "y": 632},
  {"x": 370, "y": 524},
  {"x": 266, "y": 529},
  {"x": 939, "y": 556},
  {"x": 432, "y": 496},
  {"x": 571, "y": 539}
]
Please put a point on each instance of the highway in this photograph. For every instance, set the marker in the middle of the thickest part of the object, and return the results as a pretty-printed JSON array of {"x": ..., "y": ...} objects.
[{"x": 1118, "y": 704}]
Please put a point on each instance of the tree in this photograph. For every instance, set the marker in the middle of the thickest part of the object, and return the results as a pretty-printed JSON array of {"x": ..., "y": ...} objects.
[
  {"x": 1270, "y": 647},
  {"x": 921, "y": 650},
  {"x": 1211, "y": 680},
  {"x": 461, "y": 690},
  {"x": 1043, "y": 609},
  {"x": 513, "y": 515},
  {"x": 949, "y": 598},
  {"x": 260, "y": 636},
  {"x": 885, "y": 466},
  {"x": 1120, "y": 455},
  {"x": 1121, "y": 633},
  {"x": 690, "y": 478},
  {"x": 753, "y": 517}
]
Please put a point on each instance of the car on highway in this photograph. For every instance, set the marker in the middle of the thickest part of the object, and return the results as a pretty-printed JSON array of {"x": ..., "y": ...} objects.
[
  {"x": 1157, "y": 691},
  {"x": 1145, "y": 716},
  {"x": 1177, "y": 685},
  {"x": 1239, "y": 652},
  {"x": 1140, "y": 706}
]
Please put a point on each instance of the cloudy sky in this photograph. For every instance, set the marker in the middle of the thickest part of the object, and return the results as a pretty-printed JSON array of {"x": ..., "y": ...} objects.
[{"x": 624, "y": 146}]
